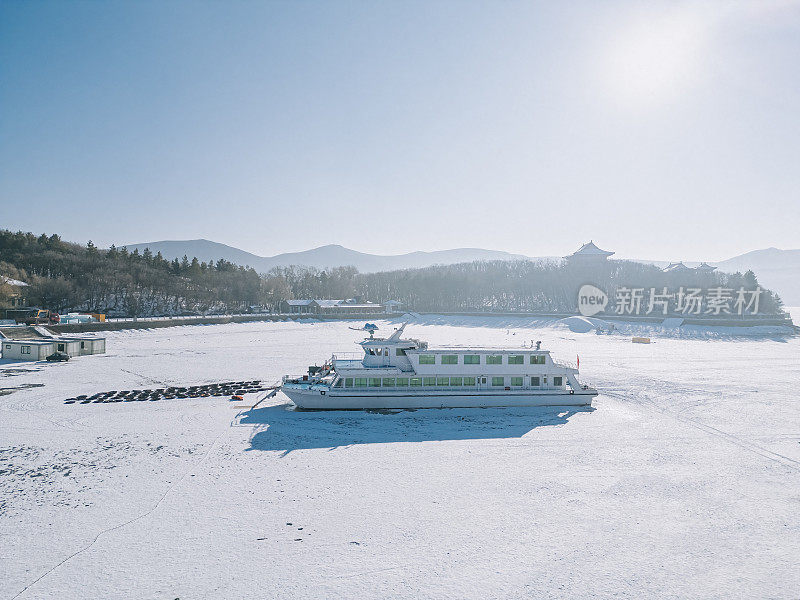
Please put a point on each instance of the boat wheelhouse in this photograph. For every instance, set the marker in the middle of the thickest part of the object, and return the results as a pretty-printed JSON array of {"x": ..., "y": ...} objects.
[{"x": 405, "y": 373}]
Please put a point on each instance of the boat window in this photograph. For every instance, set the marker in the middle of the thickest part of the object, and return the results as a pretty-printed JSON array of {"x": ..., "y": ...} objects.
[
  {"x": 348, "y": 382},
  {"x": 469, "y": 381},
  {"x": 427, "y": 359},
  {"x": 494, "y": 359},
  {"x": 498, "y": 381},
  {"x": 516, "y": 381},
  {"x": 472, "y": 359},
  {"x": 388, "y": 382},
  {"x": 379, "y": 351},
  {"x": 400, "y": 352},
  {"x": 340, "y": 383},
  {"x": 455, "y": 380},
  {"x": 537, "y": 359},
  {"x": 558, "y": 381},
  {"x": 370, "y": 351},
  {"x": 516, "y": 359},
  {"x": 449, "y": 359},
  {"x": 535, "y": 381},
  {"x": 416, "y": 381},
  {"x": 544, "y": 380},
  {"x": 402, "y": 382},
  {"x": 360, "y": 382},
  {"x": 374, "y": 382},
  {"x": 429, "y": 380},
  {"x": 483, "y": 379},
  {"x": 442, "y": 381}
]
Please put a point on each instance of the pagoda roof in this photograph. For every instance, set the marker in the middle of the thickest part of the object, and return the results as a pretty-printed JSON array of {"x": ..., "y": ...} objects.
[
  {"x": 590, "y": 249},
  {"x": 705, "y": 267}
]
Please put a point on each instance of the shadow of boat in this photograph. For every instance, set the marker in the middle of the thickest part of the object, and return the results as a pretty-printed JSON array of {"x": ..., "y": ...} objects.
[{"x": 279, "y": 428}]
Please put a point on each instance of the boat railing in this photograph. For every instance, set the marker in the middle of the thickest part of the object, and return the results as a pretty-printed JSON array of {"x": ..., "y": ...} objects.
[
  {"x": 565, "y": 364},
  {"x": 359, "y": 356}
]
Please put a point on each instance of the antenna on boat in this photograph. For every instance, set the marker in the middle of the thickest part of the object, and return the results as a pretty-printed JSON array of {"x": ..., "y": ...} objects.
[{"x": 369, "y": 327}]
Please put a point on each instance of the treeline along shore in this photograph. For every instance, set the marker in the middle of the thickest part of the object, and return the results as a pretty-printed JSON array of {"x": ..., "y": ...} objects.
[{"x": 65, "y": 276}]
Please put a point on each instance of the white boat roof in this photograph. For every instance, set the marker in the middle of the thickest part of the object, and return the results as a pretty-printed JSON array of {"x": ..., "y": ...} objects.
[{"x": 478, "y": 350}]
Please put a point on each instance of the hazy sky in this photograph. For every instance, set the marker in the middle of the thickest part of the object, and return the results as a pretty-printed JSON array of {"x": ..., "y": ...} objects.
[{"x": 661, "y": 131}]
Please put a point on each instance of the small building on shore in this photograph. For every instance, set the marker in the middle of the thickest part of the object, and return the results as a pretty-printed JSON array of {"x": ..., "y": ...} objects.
[
  {"x": 351, "y": 306},
  {"x": 86, "y": 344},
  {"x": 35, "y": 343},
  {"x": 33, "y": 349},
  {"x": 296, "y": 307},
  {"x": 393, "y": 307},
  {"x": 17, "y": 291}
]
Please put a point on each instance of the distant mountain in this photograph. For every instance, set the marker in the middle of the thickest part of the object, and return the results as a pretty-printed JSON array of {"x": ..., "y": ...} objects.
[
  {"x": 778, "y": 270},
  {"x": 322, "y": 257}
]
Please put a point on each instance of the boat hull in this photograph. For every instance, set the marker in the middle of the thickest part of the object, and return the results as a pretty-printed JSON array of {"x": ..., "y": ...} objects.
[{"x": 315, "y": 399}]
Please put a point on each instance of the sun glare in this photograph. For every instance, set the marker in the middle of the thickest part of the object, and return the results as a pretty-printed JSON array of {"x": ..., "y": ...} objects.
[{"x": 654, "y": 59}]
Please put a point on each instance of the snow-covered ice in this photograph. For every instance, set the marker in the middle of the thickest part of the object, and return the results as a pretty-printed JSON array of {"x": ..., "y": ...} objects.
[{"x": 682, "y": 482}]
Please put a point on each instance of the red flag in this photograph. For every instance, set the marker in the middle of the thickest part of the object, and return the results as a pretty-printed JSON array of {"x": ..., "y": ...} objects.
[{"x": 579, "y": 361}]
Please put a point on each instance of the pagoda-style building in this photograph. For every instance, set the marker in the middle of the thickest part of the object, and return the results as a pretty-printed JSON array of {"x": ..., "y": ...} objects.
[
  {"x": 705, "y": 268},
  {"x": 677, "y": 267},
  {"x": 589, "y": 255}
]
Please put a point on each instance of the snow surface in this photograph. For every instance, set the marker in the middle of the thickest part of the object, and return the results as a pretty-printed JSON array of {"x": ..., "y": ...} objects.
[{"x": 682, "y": 482}]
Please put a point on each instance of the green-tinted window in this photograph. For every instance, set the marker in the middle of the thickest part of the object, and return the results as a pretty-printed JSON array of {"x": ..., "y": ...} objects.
[
  {"x": 361, "y": 382},
  {"x": 402, "y": 382},
  {"x": 388, "y": 382},
  {"x": 400, "y": 352},
  {"x": 374, "y": 382},
  {"x": 455, "y": 381},
  {"x": 498, "y": 381},
  {"x": 537, "y": 359},
  {"x": 558, "y": 381},
  {"x": 416, "y": 381},
  {"x": 340, "y": 383},
  {"x": 427, "y": 359},
  {"x": 516, "y": 381},
  {"x": 442, "y": 381},
  {"x": 494, "y": 359},
  {"x": 469, "y": 381},
  {"x": 516, "y": 359},
  {"x": 449, "y": 359},
  {"x": 429, "y": 380},
  {"x": 535, "y": 381},
  {"x": 472, "y": 359},
  {"x": 348, "y": 382}
]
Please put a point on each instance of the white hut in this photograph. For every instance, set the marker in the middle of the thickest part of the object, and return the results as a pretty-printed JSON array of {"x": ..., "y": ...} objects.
[
  {"x": 34, "y": 349},
  {"x": 87, "y": 345}
]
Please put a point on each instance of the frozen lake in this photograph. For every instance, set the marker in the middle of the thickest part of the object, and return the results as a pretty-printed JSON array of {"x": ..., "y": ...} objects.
[{"x": 683, "y": 481}]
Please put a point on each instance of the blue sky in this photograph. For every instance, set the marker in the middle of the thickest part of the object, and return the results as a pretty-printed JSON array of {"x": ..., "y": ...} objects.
[{"x": 660, "y": 130}]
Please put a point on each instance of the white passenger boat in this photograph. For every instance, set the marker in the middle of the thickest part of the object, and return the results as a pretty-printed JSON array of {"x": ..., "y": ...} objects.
[{"x": 405, "y": 373}]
